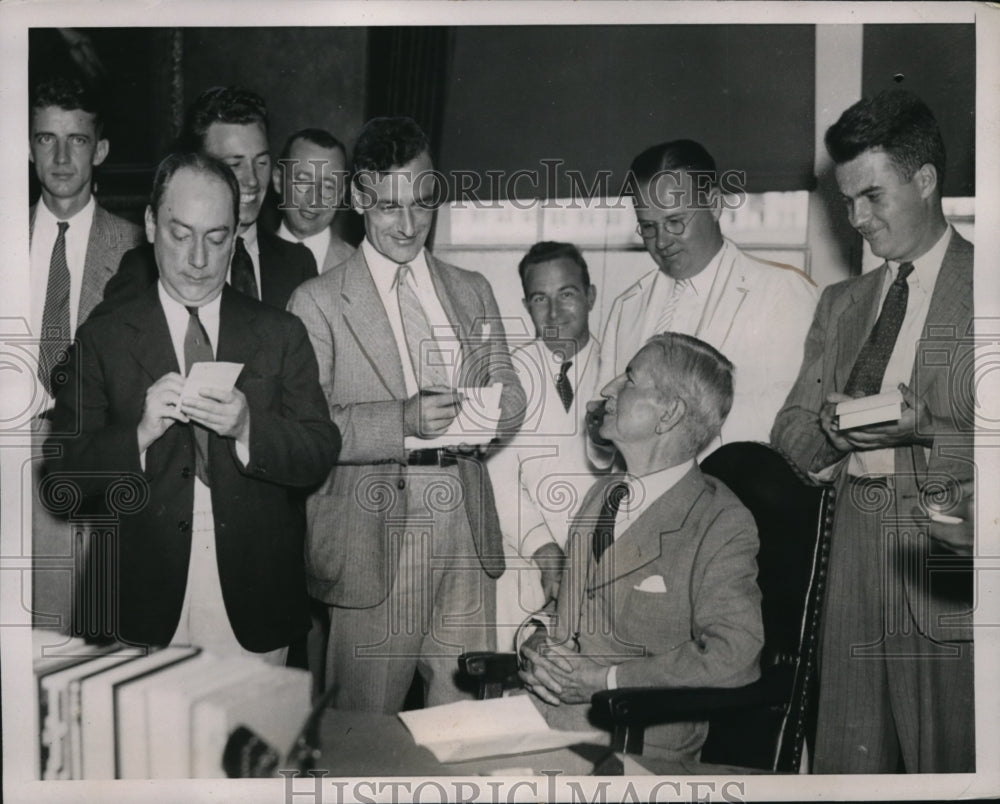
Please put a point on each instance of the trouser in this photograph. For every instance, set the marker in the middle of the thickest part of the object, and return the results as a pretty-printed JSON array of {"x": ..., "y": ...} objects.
[
  {"x": 440, "y": 604},
  {"x": 891, "y": 699}
]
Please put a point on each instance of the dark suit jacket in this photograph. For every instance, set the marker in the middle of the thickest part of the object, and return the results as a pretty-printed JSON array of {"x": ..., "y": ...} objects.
[
  {"x": 259, "y": 524},
  {"x": 283, "y": 267},
  {"x": 348, "y": 557},
  {"x": 110, "y": 237},
  {"x": 942, "y": 376}
]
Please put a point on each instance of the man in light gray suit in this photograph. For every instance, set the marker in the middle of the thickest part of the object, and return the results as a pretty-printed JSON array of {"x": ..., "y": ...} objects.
[
  {"x": 896, "y": 679},
  {"x": 75, "y": 247},
  {"x": 403, "y": 540},
  {"x": 662, "y": 573}
]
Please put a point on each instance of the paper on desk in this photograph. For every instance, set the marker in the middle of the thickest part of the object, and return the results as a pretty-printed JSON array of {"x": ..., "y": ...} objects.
[
  {"x": 476, "y": 422},
  {"x": 887, "y": 407},
  {"x": 218, "y": 374},
  {"x": 496, "y": 727}
]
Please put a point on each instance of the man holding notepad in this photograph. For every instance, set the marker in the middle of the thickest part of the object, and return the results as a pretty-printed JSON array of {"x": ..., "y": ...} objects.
[
  {"x": 882, "y": 408},
  {"x": 208, "y": 550}
]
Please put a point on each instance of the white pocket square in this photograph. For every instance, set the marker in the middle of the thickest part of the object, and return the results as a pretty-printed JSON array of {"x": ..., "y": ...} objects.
[{"x": 654, "y": 584}]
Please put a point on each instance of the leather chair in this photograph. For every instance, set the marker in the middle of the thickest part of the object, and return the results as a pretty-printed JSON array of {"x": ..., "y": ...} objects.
[{"x": 762, "y": 725}]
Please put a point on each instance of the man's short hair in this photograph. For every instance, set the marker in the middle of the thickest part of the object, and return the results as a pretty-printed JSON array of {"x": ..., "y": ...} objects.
[
  {"x": 551, "y": 250},
  {"x": 387, "y": 142},
  {"x": 202, "y": 163},
  {"x": 894, "y": 121},
  {"x": 685, "y": 155},
  {"x": 317, "y": 136},
  {"x": 69, "y": 94},
  {"x": 702, "y": 377},
  {"x": 235, "y": 105}
]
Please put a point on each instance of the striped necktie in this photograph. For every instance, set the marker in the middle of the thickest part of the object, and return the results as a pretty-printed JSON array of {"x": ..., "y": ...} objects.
[
  {"x": 55, "y": 316},
  {"x": 604, "y": 532},
  {"x": 417, "y": 332},
  {"x": 666, "y": 320}
]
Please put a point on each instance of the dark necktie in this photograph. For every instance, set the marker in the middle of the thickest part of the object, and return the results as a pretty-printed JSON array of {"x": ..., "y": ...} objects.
[
  {"x": 417, "y": 332},
  {"x": 198, "y": 349},
  {"x": 604, "y": 533},
  {"x": 55, "y": 314},
  {"x": 563, "y": 385},
  {"x": 869, "y": 368},
  {"x": 241, "y": 271}
]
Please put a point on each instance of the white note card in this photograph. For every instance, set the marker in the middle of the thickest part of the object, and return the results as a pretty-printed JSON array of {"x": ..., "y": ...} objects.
[
  {"x": 219, "y": 375},
  {"x": 476, "y": 422}
]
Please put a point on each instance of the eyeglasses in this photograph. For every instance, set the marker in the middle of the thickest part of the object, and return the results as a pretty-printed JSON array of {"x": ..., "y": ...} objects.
[{"x": 647, "y": 230}]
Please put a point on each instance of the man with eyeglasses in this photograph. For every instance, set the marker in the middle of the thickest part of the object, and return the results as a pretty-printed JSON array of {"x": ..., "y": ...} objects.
[{"x": 755, "y": 312}]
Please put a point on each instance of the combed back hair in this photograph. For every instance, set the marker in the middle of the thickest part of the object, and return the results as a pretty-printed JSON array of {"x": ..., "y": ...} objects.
[
  {"x": 68, "y": 94},
  {"x": 235, "y": 105},
  {"x": 317, "y": 136},
  {"x": 702, "y": 377},
  {"x": 202, "y": 163},
  {"x": 894, "y": 121},
  {"x": 551, "y": 250},
  {"x": 675, "y": 155},
  {"x": 388, "y": 142}
]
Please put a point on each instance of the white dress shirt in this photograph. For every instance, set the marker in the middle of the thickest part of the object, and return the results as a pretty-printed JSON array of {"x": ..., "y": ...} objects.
[
  {"x": 318, "y": 244},
  {"x": 43, "y": 240},
  {"x": 383, "y": 272},
  {"x": 899, "y": 369}
]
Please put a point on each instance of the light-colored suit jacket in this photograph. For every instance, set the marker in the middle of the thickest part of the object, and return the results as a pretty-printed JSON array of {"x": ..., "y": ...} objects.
[
  {"x": 337, "y": 252},
  {"x": 940, "y": 602},
  {"x": 757, "y": 315},
  {"x": 110, "y": 237},
  {"x": 673, "y": 602},
  {"x": 347, "y": 551}
]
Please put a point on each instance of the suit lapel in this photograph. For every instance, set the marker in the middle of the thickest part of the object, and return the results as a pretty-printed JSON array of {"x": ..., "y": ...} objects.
[
  {"x": 151, "y": 346},
  {"x": 727, "y": 294},
  {"x": 366, "y": 318},
  {"x": 626, "y": 345},
  {"x": 97, "y": 267},
  {"x": 854, "y": 324},
  {"x": 459, "y": 317}
]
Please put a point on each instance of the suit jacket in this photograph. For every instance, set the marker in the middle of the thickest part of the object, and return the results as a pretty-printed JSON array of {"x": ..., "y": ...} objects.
[
  {"x": 673, "y": 602},
  {"x": 110, "y": 237},
  {"x": 338, "y": 252},
  {"x": 283, "y": 267},
  {"x": 347, "y": 557},
  {"x": 258, "y": 522},
  {"x": 941, "y": 376},
  {"x": 757, "y": 315}
]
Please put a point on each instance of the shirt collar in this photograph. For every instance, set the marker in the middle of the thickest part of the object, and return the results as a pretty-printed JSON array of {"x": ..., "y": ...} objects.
[
  {"x": 384, "y": 270},
  {"x": 250, "y": 237},
  {"x": 556, "y": 359},
  {"x": 319, "y": 241},
  {"x": 928, "y": 264},
  {"x": 645, "y": 490},
  {"x": 173, "y": 309},
  {"x": 80, "y": 221}
]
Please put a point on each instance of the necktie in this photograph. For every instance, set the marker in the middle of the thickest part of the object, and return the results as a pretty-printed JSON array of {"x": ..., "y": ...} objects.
[
  {"x": 667, "y": 314},
  {"x": 241, "y": 271},
  {"x": 604, "y": 533},
  {"x": 198, "y": 349},
  {"x": 563, "y": 385},
  {"x": 55, "y": 314},
  {"x": 869, "y": 368},
  {"x": 417, "y": 331}
]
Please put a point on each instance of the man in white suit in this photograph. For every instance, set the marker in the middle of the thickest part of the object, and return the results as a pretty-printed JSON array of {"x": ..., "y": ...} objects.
[
  {"x": 309, "y": 179},
  {"x": 753, "y": 311},
  {"x": 545, "y": 468}
]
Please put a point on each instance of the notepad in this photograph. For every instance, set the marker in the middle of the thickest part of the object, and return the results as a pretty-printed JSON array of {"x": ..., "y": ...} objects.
[
  {"x": 476, "y": 422},
  {"x": 498, "y": 727}
]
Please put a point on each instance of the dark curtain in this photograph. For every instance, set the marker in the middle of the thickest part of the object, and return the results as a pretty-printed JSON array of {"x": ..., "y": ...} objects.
[{"x": 408, "y": 75}]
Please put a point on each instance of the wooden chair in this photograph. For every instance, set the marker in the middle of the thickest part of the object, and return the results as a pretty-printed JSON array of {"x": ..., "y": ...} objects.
[{"x": 762, "y": 725}]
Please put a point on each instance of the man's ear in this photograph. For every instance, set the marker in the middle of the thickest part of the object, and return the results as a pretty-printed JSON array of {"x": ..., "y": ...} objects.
[
  {"x": 715, "y": 200},
  {"x": 150, "y": 224},
  {"x": 277, "y": 173},
  {"x": 362, "y": 199},
  {"x": 100, "y": 152},
  {"x": 927, "y": 179},
  {"x": 591, "y": 297},
  {"x": 673, "y": 415}
]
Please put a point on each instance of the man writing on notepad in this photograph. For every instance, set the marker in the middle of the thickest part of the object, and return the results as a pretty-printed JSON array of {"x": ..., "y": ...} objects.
[
  {"x": 896, "y": 679},
  {"x": 209, "y": 550},
  {"x": 661, "y": 587}
]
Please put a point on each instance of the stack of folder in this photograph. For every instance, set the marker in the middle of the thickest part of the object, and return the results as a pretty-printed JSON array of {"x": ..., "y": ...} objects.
[{"x": 114, "y": 711}]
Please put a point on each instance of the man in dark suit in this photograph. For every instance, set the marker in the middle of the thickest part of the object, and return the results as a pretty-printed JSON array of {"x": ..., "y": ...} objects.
[
  {"x": 896, "y": 680},
  {"x": 230, "y": 123},
  {"x": 75, "y": 246},
  {"x": 662, "y": 573},
  {"x": 309, "y": 180},
  {"x": 404, "y": 542},
  {"x": 211, "y": 552}
]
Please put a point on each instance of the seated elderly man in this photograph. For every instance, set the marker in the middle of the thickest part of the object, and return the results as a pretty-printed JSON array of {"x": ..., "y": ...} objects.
[{"x": 662, "y": 574}]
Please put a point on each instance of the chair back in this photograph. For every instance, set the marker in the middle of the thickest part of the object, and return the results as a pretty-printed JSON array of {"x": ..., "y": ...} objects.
[{"x": 794, "y": 518}]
